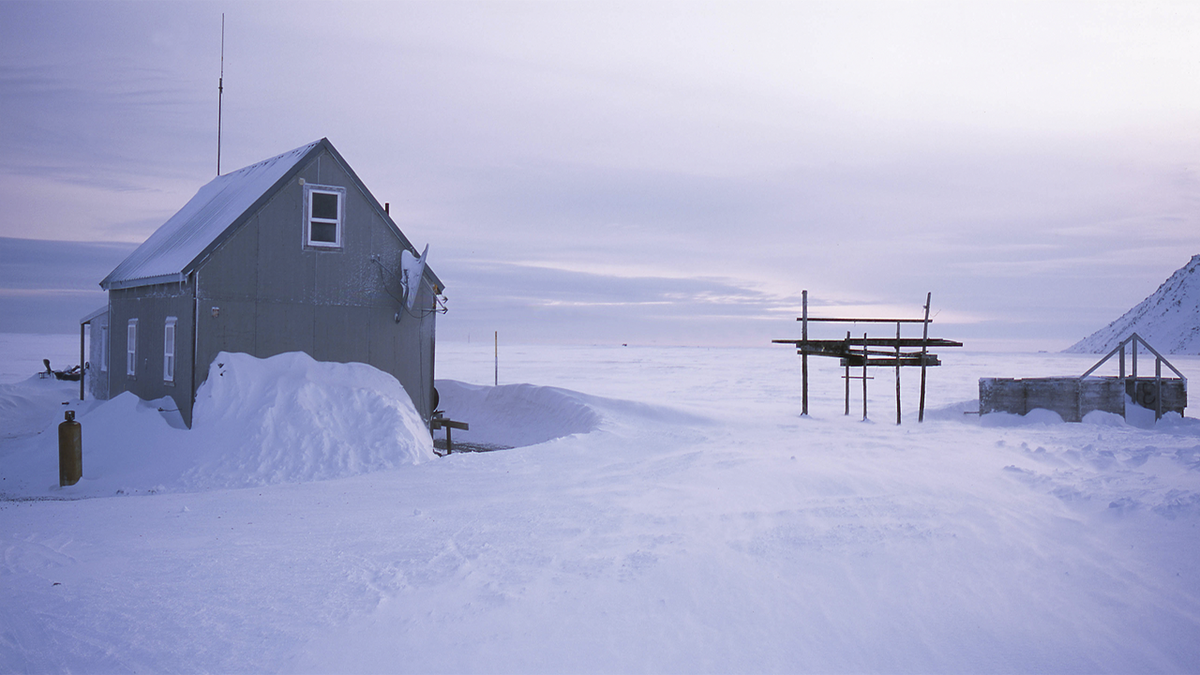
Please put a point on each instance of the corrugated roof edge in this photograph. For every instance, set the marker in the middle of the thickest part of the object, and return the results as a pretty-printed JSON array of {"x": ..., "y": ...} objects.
[
  {"x": 91, "y": 316},
  {"x": 144, "y": 281}
]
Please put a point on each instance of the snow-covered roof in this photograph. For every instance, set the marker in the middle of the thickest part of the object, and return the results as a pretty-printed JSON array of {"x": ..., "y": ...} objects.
[
  {"x": 219, "y": 207},
  {"x": 92, "y": 315}
]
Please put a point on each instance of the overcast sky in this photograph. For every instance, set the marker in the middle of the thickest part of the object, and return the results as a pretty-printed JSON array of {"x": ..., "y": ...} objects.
[{"x": 669, "y": 173}]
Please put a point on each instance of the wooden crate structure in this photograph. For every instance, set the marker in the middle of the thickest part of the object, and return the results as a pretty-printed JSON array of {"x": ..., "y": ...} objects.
[{"x": 1074, "y": 397}]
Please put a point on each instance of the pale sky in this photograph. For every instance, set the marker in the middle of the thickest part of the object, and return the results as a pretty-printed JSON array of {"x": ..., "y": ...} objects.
[{"x": 669, "y": 173}]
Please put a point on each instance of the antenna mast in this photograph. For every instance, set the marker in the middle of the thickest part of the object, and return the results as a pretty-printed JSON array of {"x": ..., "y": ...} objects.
[{"x": 220, "y": 93}]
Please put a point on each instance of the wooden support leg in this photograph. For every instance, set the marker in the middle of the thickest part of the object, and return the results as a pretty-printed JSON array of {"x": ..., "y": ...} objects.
[
  {"x": 1158, "y": 389},
  {"x": 804, "y": 356},
  {"x": 847, "y": 376},
  {"x": 897, "y": 372},
  {"x": 865, "y": 357},
  {"x": 82, "y": 370},
  {"x": 924, "y": 351}
]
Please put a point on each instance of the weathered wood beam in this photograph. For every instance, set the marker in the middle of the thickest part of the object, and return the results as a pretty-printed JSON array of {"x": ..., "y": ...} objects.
[{"x": 878, "y": 342}]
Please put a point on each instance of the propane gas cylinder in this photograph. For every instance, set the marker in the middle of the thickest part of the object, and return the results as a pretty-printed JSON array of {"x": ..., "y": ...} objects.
[{"x": 70, "y": 451}]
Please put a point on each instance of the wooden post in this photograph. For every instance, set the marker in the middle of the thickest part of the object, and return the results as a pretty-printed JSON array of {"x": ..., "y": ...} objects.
[
  {"x": 1133, "y": 346},
  {"x": 82, "y": 370},
  {"x": 496, "y": 373},
  {"x": 1158, "y": 389},
  {"x": 897, "y": 372},
  {"x": 847, "y": 375},
  {"x": 804, "y": 354},
  {"x": 924, "y": 349},
  {"x": 865, "y": 357},
  {"x": 1122, "y": 362}
]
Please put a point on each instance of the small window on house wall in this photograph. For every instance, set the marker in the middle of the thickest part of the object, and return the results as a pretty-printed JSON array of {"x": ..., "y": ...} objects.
[
  {"x": 131, "y": 348},
  {"x": 169, "y": 350},
  {"x": 324, "y": 211}
]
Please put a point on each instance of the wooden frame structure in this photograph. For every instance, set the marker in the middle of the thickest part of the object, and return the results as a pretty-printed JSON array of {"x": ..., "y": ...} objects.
[
  {"x": 869, "y": 352},
  {"x": 1074, "y": 397}
]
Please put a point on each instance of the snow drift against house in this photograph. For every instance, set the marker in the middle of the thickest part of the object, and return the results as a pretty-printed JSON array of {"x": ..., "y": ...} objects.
[
  {"x": 285, "y": 419},
  {"x": 1169, "y": 319}
]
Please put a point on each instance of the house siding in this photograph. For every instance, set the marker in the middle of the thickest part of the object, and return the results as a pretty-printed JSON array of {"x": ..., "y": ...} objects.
[
  {"x": 259, "y": 289},
  {"x": 97, "y": 379},
  {"x": 151, "y": 305},
  {"x": 274, "y": 295}
]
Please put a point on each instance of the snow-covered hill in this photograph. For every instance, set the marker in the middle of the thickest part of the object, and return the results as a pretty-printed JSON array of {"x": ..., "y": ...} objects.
[{"x": 1169, "y": 319}]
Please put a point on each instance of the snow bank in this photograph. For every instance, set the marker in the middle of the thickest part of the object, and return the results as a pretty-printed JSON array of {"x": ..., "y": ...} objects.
[
  {"x": 290, "y": 418},
  {"x": 518, "y": 415},
  {"x": 28, "y": 407},
  {"x": 285, "y": 419},
  {"x": 514, "y": 415}
]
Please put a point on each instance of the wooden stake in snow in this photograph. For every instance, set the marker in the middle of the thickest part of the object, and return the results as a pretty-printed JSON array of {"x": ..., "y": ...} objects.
[
  {"x": 866, "y": 357},
  {"x": 924, "y": 352},
  {"x": 804, "y": 355},
  {"x": 496, "y": 381},
  {"x": 897, "y": 372}
]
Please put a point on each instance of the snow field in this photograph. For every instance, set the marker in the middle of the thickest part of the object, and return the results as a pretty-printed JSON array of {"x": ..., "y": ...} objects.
[{"x": 689, "y": 521}]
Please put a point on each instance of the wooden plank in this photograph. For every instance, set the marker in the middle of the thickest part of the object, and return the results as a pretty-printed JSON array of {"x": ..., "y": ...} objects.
[
  {"x": 833, "y": 320},
  {"x": 877, "y": 342},
  {"x": 931, "y": 360},
  {"x": 842, "y": 353}
]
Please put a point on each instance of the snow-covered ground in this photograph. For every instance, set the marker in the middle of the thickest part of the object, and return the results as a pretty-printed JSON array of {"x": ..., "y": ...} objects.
[{"x": 665, "y": 510}]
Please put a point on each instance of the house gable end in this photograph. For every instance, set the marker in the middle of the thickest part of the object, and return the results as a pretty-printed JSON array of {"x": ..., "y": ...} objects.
[{"x": 430, "y": 276}]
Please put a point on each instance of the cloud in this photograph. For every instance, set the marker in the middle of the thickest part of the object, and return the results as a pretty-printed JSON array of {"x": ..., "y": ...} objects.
[
  {"x": 620, "y": 167},
  {"x": 533, "y": 304},
  {"x": 47, "y": 286}
]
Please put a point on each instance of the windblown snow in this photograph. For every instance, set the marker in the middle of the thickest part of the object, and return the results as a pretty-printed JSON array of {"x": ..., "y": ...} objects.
[
  {"x": 662, "y": 510},
  {"x": 1169, "y": 319}
]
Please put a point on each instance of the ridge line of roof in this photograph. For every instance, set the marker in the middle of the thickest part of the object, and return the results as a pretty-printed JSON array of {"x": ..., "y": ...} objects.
[{"x": 192, "y": 224}]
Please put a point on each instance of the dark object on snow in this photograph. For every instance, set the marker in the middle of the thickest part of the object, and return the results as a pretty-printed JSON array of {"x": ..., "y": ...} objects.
[
  {"x": 1074, "y": 397},
  {"x": 439, "y": 422},
  {"x": 70, "y": 451},
  {"x": 71, "y": 374}
]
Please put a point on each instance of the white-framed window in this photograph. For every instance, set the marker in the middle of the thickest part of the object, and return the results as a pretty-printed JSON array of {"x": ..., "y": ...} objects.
[
  {"x": 131, "y": 348},
  {"x": 104, "y": 349},
  {"x": 169, "y": 350},
  {"x": 324, "y": 213}
]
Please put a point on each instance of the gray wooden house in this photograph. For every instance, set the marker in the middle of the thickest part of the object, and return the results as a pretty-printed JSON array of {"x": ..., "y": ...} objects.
[{"x": 290, "y": 254}]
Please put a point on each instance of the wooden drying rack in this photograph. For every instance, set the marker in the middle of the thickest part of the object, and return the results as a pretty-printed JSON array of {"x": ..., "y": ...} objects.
[{"x": 869, "y": 352}]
